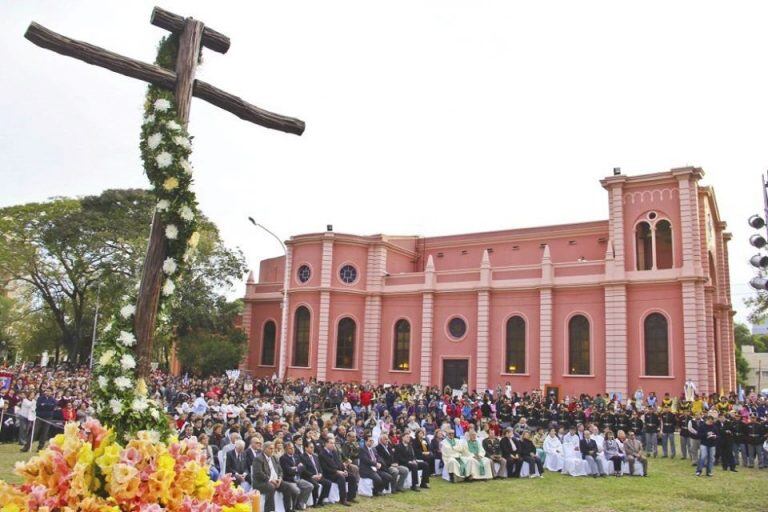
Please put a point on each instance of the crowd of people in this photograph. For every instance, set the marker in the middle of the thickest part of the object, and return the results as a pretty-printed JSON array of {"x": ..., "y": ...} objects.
[{"x": 299, "y": 438}]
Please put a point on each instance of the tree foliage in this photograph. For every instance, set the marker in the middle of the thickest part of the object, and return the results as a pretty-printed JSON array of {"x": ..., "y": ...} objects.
[
  {"x": 66, "y": 251},
  {"x": 211, "y": 344}
]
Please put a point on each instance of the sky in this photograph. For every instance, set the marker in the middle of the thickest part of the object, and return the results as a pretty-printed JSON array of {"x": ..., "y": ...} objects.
[{"x": 423, "y": 117}]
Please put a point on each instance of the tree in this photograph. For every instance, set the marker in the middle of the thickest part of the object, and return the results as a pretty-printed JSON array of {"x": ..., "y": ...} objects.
[
  {"x": 210, "y": 343},
  {"x": 68, "y": 250},
  {"x": 742, "y": 336}
]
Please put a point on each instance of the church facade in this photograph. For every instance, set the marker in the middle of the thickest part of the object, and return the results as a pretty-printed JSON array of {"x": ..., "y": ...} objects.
[{"x": 641, "y": 299}]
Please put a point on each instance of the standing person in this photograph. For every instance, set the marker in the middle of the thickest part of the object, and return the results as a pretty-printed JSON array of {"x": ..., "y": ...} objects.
[
  {"x": 335, "y": 471},
  {"x": 44, "y": 411},
  {"x": 754, "y": 440},
  {"x": 370, "y": 467},
  {"x": 708, "y": 434},
  {"x": 293, "y": 467},
  {"x": 652, "y": 422},
  {"x": 685, "y": 435},
  {"x": 695, "y": 443},
  {"x": 26, "y": 417},
  {"x": 668, "y": 426},
  {"x": 725, "y": 444},
  {"x": 633, "y": 449},
  {"x": 267, "y": 478},
  {"x": 406, "y": 457},
  {"x": 313, "y": 474}
]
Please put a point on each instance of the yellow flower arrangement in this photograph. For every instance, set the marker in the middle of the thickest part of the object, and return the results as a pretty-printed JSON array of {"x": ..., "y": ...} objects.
[{"x": 82, "y": 472}]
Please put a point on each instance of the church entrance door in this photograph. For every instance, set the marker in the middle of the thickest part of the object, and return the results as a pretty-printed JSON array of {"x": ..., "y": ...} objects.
[{"x": 455, "y": 372}]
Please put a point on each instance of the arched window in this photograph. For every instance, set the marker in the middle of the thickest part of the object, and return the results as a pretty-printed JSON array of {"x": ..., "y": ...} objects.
[
  {"x": 663, "y": 244},
  {"x": 345, "y": 344},
  {"x": 268, "y": 344},
  {"x": 301, "y": 337},
  {"x": 656, "y": 345},
  {"x": 402, "y": 351},
  {"x": 644, "y": 246},
  {"x": 578, "y": 345},
  {"x": 514, "y": 361}
]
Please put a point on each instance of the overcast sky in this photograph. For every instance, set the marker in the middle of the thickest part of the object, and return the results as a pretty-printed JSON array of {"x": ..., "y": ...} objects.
[{"x": 422, "y": 117}]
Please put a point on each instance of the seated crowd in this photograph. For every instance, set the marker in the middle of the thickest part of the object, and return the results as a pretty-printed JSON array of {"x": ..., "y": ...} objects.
[{"x": 315, "y": 442}]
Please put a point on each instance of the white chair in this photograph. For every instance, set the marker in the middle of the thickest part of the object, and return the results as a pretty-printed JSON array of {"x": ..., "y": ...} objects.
[
  {"x": 279, "y": 507},
  {"x": 333, "y": 496},
  {"x": 573, "y": 464},
  {"x": 365, "y": 488},
  {"x": 525, "y": 471},
  {"x": 554, "y": 461}
]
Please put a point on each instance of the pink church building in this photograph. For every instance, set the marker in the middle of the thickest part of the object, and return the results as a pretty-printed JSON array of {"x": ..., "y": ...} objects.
[{"x": 641, "y": 299}]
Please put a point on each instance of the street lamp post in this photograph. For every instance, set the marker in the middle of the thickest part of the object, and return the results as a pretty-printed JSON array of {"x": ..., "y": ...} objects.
[
  {"x": 95, "y": 322},
  {"x": 283, "y": 305}
]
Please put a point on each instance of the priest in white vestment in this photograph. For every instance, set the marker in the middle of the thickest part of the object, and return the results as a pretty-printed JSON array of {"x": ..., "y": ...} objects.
[
  {"x": 456, "y": 457},
  {"x": 482, "y": 469},
  {"x": 554, "y": 450}
]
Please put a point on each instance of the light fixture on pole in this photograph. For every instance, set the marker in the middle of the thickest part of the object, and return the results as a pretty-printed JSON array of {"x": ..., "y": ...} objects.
[
  {"x": 95, "y": 323},
  {"x": 283, "y": 305}
]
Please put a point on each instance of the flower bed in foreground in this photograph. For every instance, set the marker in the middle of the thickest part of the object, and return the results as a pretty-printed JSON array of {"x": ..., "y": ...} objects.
[{"x": 85, "y": 469}]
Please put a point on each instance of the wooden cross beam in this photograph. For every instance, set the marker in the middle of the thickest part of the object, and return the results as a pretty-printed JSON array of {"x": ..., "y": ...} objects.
[{"x": 192, "y": 36}]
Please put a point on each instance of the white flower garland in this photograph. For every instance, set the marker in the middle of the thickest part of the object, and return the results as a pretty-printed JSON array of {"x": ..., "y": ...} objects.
[{"x": 120, "y": 398}]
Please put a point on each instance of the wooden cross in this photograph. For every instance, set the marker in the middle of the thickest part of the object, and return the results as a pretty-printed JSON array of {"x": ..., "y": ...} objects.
[{"x": 193, "y": 34}]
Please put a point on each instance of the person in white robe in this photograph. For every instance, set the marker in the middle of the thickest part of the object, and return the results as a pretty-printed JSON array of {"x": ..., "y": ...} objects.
[
  {"x": 554, "y": 450},
  {"x": 482, "y": 469},
  {"x": 456, "y": 457}
]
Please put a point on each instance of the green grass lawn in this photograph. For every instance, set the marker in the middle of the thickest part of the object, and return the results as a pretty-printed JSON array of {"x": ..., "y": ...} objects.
[{"x": 671, "y": 486}]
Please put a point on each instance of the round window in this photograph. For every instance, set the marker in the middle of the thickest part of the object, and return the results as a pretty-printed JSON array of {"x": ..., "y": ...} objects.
[
  {"x": 304, "y": 273},
  {"x": 457, "y": 327},
  {"x": 652, "y": 215},
  {"x": 348, "y": 274}
]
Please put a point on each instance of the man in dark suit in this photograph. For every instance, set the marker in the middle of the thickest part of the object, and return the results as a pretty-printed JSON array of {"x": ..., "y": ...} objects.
[
  {"x": 588, "y": 449},
  {"x": 370, "y": 467},
  {"x": 510, "y": 454},
  {"x": 334, "y": 470},
  {"x": 237, "y": 466},
  {"x": 292, "y": 467},
  {"x": 407, "y": 458},
  {"x": 312, "y": 473},
  {"x": 387, "y": 459},
  {"x": 253, "y": 450},
  {"x": 267, "y": 478}
]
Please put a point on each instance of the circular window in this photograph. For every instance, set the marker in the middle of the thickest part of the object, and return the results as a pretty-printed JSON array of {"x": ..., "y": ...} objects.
[
  {"x": 652, "y": 215},
  {"x": 457, "y": 327},
  {"x": 348, "y": 274},
  {"x": 304, "y": 273}
]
